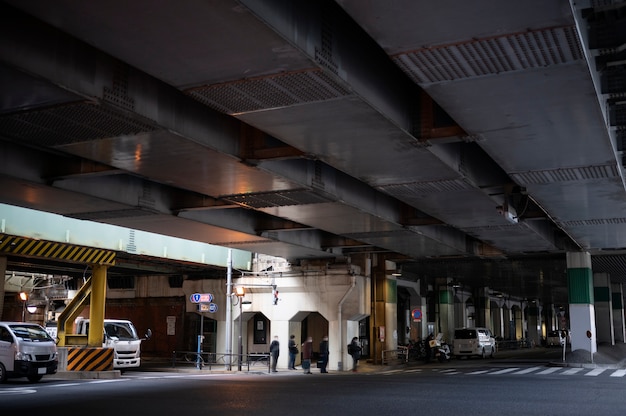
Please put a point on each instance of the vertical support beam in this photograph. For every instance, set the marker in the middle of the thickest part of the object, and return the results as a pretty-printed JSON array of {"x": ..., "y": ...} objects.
[
  {"x": 483, "y": 308},
  {"x": 3, "y": 271},
  {"x": 445, "y": 320},
  {"x": 581, "y": 309},
  {"x": 603, "y": 306},
  {"x": 96, "y": 305},
  {"x": 534, "y": 323},
  {"x": 617, "y": 291}
]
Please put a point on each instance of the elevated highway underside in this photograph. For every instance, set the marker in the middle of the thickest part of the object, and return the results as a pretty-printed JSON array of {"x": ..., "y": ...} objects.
[{"x": 478, "y": 141}]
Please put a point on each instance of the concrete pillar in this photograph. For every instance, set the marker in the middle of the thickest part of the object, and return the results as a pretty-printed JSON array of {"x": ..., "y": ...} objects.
[
  {"x": 483, "y": 308},
  {"x": 581, "y": 309},
  {"x": 97, "y": 301},
  {"x": 604, "y": 309},
  {"x": 3, "y": 270},
  {"x": 445, "y": 319},
  {"x": 618, "y": 312},
  {"x": 534, "y": 323},
  {"x": 497, "y": 317}
]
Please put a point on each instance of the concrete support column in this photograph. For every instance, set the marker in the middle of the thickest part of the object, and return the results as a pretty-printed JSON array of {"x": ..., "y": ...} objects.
[
  {"x": 96, "y": 305},
  {"x": 534, "y": 323},
  {"x": 483, "y": 308},
  {"x": 391, "y": 314},
  {"x": 604, "y": 309},
  {"x": 498, "y": 321},
  {"x": 507, "y": 318},
  {"x": 617, "y": 302},
  {"x": 3, "y": 271},
  {"x": 581, "y": 309},
  {"x": 445, "y": 318},
  {"x": 519, "y": 322}
]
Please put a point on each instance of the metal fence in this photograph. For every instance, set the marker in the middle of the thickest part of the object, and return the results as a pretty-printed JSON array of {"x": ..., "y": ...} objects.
[{"x": 212, "y": 360}]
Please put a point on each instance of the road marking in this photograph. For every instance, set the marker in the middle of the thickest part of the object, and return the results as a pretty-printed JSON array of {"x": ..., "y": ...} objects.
[
  {"x": 506, "y": 370},
  {"x": 17, "y": 391},
  {"x": 571, "y": 371},
  {"x": 479, "y": 372},
  {"x": 619, "y": 373},
  {"x": 527, "y": 370},
  {"x": 549, "y": 370},
  {"x": 595, "y": 372}
]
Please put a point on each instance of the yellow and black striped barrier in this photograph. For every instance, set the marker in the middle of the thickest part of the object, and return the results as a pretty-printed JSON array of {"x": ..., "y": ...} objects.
[
  {"x": 52, "y": 250},
  {"x": 89, "y": 359}
]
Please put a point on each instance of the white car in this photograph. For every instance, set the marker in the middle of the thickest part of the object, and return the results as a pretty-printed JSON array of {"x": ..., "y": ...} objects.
[{"x": 470, "y": 342}]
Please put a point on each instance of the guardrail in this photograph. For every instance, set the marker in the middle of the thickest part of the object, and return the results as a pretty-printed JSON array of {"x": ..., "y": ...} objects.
[
  {"x": 398, "y": 356},
  {"x": 514, "y": 344},
  {"x": 213, "y": 359}
]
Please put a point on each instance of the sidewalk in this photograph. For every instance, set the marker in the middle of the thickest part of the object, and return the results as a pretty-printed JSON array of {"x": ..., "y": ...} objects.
[{"x": 608, "y": 356}]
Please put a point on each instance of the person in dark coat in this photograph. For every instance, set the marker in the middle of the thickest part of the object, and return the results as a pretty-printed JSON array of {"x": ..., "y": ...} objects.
[
  {"x": 275, "y": 352},
  {"x": 323, "y": 360},
  {"x": 354, "y": 349},
  {"x": 307, "y": 352},
  {"x": 293, "y": 352}
]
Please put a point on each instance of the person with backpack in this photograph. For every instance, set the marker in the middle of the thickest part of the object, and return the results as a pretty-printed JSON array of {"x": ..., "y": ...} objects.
[
  {"x": 354, "y": 349},
  {"x": 293, "y": 352}
]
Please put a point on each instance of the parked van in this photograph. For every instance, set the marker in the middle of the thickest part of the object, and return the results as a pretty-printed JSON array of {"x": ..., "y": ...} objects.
[
  {"x": 121, "y": 335},
  {"x": 473, "y": 342},
  {"x": 26, "y": 350}
]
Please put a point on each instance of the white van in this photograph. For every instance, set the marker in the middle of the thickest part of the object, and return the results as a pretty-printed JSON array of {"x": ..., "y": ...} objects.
[
  {"x": 473, "y": 342},
  {"x": 121, "y": 335},
  {"x": 26, "y": 350}
]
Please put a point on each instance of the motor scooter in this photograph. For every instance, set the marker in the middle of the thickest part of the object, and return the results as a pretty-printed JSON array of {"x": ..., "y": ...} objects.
[{"x": 441, "y": 349}]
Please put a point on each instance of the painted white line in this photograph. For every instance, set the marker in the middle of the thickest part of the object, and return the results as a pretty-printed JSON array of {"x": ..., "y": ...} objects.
[
  {"x": 479, "y": 372},
  {"x": 17, "y": 391},
  {"x": 618, "y": 373},
  {"x": 64, "y": 385},
  {"x": 528, "y": 370},
  {"x": 571, "y": 371},
  {"x": 506, "y": 370},
  {"x": 595, "y": 372},
  {"x": 549, "y": 370}
]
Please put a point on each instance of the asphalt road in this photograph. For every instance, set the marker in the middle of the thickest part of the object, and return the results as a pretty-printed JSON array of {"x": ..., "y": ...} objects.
[{"x": 479, "y": 390}]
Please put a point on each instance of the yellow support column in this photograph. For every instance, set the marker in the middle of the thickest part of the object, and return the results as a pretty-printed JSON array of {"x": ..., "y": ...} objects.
[{"x": 96, "y": 309}]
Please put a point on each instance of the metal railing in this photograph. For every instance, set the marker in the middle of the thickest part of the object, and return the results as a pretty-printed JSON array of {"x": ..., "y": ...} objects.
[
  {"x": 212, "y": 360},
  {"x": 398, "y": 356}
]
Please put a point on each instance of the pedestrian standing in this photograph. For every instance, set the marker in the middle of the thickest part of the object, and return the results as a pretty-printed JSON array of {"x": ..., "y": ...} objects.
[
  {"x": 307, "y": 352},
  {"x": 293, "y": 352},
  {"x": 323, "y": 360},
  {"x": 274, "y": 352},
  {"x": 354, "y": 349}
]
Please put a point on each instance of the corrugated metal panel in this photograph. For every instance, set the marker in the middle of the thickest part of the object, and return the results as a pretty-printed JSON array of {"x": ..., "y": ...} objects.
[
  {"x": 274, "y": 91},
  {"x": 491, "y": 56}
]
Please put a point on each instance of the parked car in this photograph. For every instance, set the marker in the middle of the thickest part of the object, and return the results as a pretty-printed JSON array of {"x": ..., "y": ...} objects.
[
  {"x": 26, "y": 350},
  {"x": 473, "y": 342},
  {"x": 556, "y": 338}
]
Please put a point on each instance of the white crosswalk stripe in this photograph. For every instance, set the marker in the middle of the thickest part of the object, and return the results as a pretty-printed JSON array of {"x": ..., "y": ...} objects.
[
  {"x": 619, "y": 373},
  {"x": 549, "y": 370},
  {"x": 595, "y": 372},
  {"x": 527, "y": 370},
  {"x": 571, "y": 371},
  {"x": 506, "y": 370}
]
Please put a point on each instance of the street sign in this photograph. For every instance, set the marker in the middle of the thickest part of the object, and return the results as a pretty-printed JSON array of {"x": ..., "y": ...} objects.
[
  {"x": 207, "y": 307},
  {"x": 417, "y": 315},
  {"x": 201, "y": 298}
]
